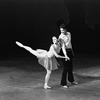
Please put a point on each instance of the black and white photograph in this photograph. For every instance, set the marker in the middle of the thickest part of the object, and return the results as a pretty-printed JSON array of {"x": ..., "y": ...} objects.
[{"x": 50, "y": 50}]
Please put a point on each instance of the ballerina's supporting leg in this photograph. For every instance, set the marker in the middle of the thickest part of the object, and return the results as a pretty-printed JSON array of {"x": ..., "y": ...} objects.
[{"x": 47, "y": 77}]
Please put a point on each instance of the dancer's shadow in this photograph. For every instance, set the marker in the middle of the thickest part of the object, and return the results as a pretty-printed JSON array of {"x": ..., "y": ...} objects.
[
  {"x": 85, "y": 78},
  {"x": 81, "y": 79}
]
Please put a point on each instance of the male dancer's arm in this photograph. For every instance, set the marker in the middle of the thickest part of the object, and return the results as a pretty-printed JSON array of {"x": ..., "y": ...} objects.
[
  {"x": 64, "y": 51},
  {"x": 70, "y": 42},
  {"x": 63, "y": 47}
]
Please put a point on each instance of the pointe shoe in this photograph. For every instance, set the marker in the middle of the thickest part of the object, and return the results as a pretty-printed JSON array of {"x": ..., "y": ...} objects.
[
  {"x": 19, "y": 44},
  {"x": 46, "y": 87}
]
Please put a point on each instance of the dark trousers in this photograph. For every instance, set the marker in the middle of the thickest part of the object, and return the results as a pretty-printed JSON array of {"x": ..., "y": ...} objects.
[{"x": 67, "y": 69}]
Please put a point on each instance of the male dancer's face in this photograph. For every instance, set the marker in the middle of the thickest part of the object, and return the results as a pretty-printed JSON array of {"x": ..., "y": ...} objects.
[{"x": 62, "y": 30}]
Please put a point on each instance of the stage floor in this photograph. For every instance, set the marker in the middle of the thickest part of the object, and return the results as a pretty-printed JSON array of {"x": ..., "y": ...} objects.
[{"x": 23, "y": 79}]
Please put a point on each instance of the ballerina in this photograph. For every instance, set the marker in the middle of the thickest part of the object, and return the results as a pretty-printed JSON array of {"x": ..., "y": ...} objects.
[{"x": 46, "y": 58}]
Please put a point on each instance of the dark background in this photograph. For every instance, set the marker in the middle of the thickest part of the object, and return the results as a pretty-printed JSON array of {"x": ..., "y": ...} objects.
[{"x": 34, "y": 22}]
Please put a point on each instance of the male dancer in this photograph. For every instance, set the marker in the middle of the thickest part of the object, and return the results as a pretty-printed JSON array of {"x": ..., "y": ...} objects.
[{"x": 65, "y": 37}]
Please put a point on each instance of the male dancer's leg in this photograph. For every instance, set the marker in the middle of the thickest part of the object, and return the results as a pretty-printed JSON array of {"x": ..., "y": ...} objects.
[
  {"x": 70, "y": 66},
  {"x": 64, "y": 73},
  {"x": 70, "y": 71}
]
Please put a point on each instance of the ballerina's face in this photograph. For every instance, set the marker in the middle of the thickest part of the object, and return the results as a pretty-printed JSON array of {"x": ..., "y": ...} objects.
[{"x": 54, "y": 40}]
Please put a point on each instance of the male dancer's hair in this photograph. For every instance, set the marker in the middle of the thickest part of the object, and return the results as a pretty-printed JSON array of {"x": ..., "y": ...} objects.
[{"x": 62, "y": 26}]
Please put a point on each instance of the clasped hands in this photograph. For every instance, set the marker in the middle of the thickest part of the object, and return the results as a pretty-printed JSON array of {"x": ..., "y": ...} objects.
[{"x": 67, "y": 58}]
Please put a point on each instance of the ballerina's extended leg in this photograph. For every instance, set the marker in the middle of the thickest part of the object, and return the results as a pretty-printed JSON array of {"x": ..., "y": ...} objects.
[{"x": 38, "y": 53}]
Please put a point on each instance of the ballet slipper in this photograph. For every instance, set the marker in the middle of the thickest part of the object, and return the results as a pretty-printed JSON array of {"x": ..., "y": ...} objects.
[
  {"x": 19, "y": 44},
  {"x": 46, "y": 87}
]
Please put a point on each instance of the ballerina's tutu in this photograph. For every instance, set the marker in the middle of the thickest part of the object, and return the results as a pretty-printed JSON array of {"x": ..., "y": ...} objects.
[
  {"x": 41, "y": 51},
  {"x": 49, "y": 63}
]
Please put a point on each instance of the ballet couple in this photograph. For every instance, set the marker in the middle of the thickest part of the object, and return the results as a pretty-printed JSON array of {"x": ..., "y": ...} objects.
[{"x": 48, "y": 58}]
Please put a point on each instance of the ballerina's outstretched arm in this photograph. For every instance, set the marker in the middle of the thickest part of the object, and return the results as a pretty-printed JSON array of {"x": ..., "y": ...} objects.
[
  {"x": 34, "y": 52},
  {"x": 56, "y": 54}
]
